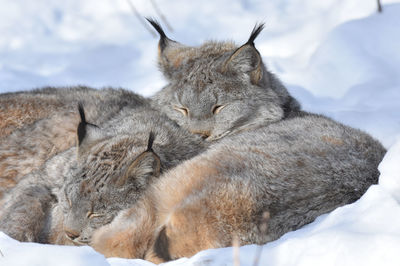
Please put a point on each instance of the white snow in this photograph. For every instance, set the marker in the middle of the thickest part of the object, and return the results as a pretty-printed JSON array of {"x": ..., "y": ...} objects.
[
  {"x": 338, "y": 57},
  {"x": 16, "y": 253}
]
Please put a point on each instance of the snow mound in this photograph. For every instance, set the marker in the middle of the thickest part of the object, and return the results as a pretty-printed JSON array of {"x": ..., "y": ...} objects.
[
  {"x": 354, "y": 75},
  {"x": 390, "y": 171}
]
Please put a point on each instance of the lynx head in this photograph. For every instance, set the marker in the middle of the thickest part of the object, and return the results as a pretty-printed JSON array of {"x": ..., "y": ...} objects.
[
  {"x": 110, "y": 174},
  {"x": 219, "y": 88}
]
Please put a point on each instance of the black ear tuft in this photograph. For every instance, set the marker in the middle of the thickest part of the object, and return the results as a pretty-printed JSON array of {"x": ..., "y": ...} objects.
[
  {"x": 157, "y": 27},
  {"x": 256, "y": 31},
  {"x": 150, "y": 142},
  {"x": 81, "y": 113},
  {"x": 163, "y": 36},
  {"x": 82, "y": 125}
]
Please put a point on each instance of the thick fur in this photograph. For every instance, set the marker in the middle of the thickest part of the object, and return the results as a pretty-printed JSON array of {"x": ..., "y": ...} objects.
[
  {"x": 291, "y": 171},
  {"x": 219, "y": 88},
  {"x": 36, "y": 125},
  {"x": 83, "y": 188}
]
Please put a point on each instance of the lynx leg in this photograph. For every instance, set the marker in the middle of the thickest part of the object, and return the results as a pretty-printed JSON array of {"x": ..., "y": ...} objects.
[{"x": 129, "y": 235}]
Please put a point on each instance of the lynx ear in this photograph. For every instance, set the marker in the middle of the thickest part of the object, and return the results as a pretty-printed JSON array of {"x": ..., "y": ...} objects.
[
  {"x": 246, "y": 58},
  {"x": 86, "y": 132},
  {"x": 145, "y": 166},
  {"x": 170, "y": 53}
]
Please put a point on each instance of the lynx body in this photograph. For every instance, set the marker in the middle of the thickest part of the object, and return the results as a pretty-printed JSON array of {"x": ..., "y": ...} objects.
[
  {"x": 84, "y": 187},
  {"x": 36, "y": 125},
  {"x": 269, "y": 160},
  {"x": 291, "y": 172}
]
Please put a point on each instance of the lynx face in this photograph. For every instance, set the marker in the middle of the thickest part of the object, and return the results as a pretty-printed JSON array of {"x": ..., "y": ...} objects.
[
  {"x": 70, "y": 196},
  {"x": 219, "y": 88},
  {"x": 110, "y": 174}
]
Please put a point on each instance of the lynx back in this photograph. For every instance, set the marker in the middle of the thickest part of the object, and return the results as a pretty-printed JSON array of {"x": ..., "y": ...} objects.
[
  {"x": 281, "y": 176},
  {"x": 39, "y": 124}
]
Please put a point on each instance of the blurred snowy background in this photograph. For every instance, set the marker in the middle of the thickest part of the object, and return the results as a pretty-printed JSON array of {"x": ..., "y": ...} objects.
[{"x": 338, "y": 57}]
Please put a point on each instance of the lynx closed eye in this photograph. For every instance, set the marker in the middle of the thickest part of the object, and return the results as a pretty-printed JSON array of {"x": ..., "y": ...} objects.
[
  {"x": 217, "y": 108},
  {"x": 92, "y": 215},
  {"x": 183, "y": 110},
  {"x": 220, "y": 72}
]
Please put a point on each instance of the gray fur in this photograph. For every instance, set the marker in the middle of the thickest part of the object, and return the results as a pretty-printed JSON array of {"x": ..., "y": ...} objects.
[
  {"x": 308, "y": 166},
  {"x": 220, "y": 74},
  {"x": 292, "y": 165},
  {"x": 84, "y": 187},
  {"x": 294, "y": 170},
  {"x": 273, "y": 158},
  {"x": 31, "y": 211},
  {"x": 39, "y": 124}
]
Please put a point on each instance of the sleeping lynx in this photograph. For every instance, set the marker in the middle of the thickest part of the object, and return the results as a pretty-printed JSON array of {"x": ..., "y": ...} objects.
[
  {"x": 219, "y": 88},
  {"x": 273, "y": 159},
  {"x": 70, "y": 196},
  {"x": 36, "y": 125},
  {"x": 292, "y": 171},
  {"x": 291, "y": 167}
]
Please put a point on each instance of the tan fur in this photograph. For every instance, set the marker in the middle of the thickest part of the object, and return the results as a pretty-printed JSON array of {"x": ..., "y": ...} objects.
[
  {"x": 331, "y": 140},
  {"x": 271, "y": 169},
  {"x": 128, "y": 241},
  {"x": 176, "y": 56},
  {"x": 6, "y": 184},
  {"x": 194, "y": 174},
  {"x": 195, "y": 226},
  {"x": 63, "y": 134},
  {"x": 256, "y": 75},
  {"x": 18, "y": 112},
  {"x": 178, "y": 61},
  {"x": 256, "y": 185},
  {"x": 203, "y": 133},
  {"x": 116, "y": 162},
  {"x": 36, "y": 125},
  {"x": 263, "y": 153},
  {"x": 131, "y": 241},
  {"x": 191, "y": 227}
]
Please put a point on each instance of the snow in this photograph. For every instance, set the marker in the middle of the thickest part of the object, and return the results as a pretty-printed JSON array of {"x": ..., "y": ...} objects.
[
  {"x": 390, "y": 171},
  {"x": 354, "y": 75},
  {"x": 16, "y": 253},
  {"x": 338, "y": 57}
]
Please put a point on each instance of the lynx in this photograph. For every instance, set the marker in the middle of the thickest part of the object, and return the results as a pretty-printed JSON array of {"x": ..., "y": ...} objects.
[
  {"x": 219, "y": 88},
  {"x": 84, "y": 187},
  {"x": 290, "y": 171},
  {"x": 36, "y": 125}
]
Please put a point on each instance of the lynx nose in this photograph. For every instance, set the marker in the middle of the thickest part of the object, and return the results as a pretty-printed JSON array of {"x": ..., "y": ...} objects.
[{"x": 71, "y": 234}]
